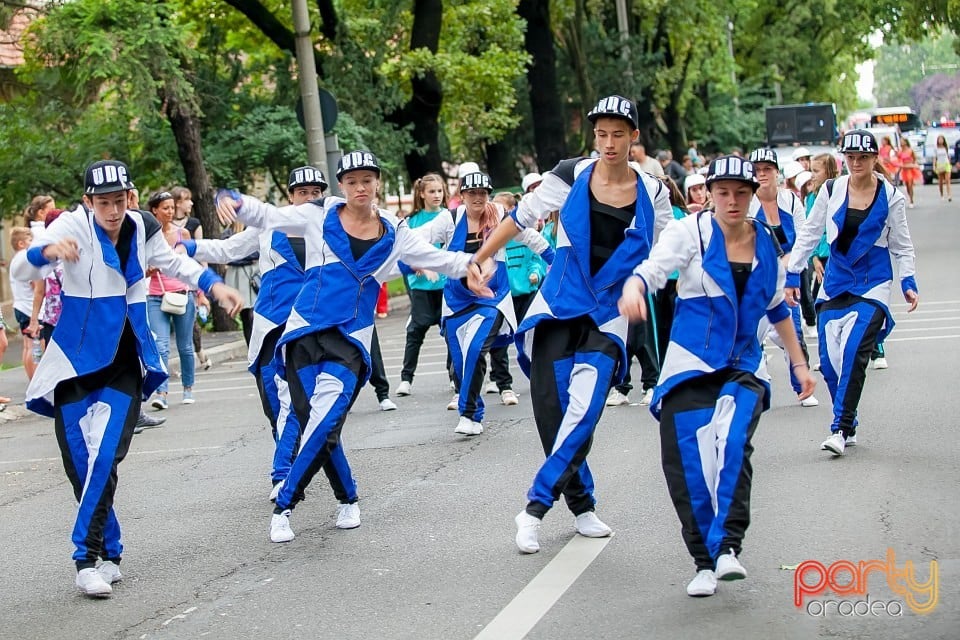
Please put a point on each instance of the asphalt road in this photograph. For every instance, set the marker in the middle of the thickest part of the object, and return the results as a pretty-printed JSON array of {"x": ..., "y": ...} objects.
[{"x": 435, "y": 558}]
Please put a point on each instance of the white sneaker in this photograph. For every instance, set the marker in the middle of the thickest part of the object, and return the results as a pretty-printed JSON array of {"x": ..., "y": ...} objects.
[
  {"x": 348, "y": 516},
  {"x": 809, "y": 331},
  {"x": 528, "y": 529},
  {"x": 509, "y": 398},
  {"x": 880, "y": 363},
  {"x": 617, "y": 399},
  {"x": 491, "y": 387},
  {"x": 404, "y": 388},
  {"x": 704, "y": 584},
  {"x": 810, "y": 401},
  {"x": 388, "y": 405},
  {"x": 91, "y": 583},
  {"x": 280, "y": 530},
  {"x": 815, "y": 367},
  {"x": 468, "y": 427},
  {"x": 647, "y": 397},
  {"x": 834, "y": 444},
  {"x": 851, "y": 441},
  {"x": 729, "y": 568},
  {"x": 276, "y": 491},
  {"x": 454, "y": 404},
  {"x": 110, "y": 572},
  {"x": 590, "y": 526}
]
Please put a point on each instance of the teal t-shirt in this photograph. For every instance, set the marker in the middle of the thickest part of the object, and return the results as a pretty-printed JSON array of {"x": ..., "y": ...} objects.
[{"x": 419, "y": 219}]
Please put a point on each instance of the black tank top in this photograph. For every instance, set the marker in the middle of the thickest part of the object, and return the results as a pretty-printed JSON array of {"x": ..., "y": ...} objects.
[
  {"x": 607, "y": 227},
  {"x": 741, "y": 273}
]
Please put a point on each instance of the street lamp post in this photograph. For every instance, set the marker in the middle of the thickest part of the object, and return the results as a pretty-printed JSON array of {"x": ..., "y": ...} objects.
[{"x": 312, "y": 115}]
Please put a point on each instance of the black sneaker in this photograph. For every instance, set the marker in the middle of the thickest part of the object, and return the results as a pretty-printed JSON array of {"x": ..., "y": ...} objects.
[{"x": 147, "y": 422}]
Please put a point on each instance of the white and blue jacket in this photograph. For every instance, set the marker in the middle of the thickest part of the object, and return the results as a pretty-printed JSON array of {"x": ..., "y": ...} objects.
[
  {"x": 792, "y": 215},
  {"x": 865, "y": 270},
  {"x": 569, "y": 291},
  {"x": 338, "y": 291},
  {"x": 281, "y": 277},
  {"x": 451, "y": 231},
  {"x": 711, "y": 330},
  {"x": 98, "y": 299}
]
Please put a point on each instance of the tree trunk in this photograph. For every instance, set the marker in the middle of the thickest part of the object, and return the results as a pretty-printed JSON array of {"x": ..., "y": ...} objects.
[
  {"x": 186, "y": 132},
  {"x": 501, "y": 165},
  {"x": 549, "y": 131},
  {"x": 423, "y": 109}
]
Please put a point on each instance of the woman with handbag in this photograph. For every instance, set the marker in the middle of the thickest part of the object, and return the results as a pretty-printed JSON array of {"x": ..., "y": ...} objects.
[{"x": 170, "y": 302}]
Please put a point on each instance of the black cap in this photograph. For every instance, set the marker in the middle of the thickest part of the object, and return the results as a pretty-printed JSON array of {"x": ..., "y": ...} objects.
[
  {"x": 106, "y": 176},
  {"x": 731, "y": 168},
  {"x": 764, "y": 154},
  {"x": 476, "y": 180},
  {"x": 615, "y": 107},
  {"x": 306, "y": 177},
  {"x": 356, "y": 161},
  {"x": 859, "y": 141}
]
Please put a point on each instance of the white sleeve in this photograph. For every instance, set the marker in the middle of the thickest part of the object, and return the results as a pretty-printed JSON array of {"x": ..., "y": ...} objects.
[
  {"x": 236, "y": 247},
  {"x": 290, "y": 219},
  {"x": 674, "y": 251},
  {"x": 548, "y": 197},
  {"x": 30, "y": 264},
  {"x": 437, "y": 231},
  {"x": 799, "y": 213},
  {"x": 414, "y": 250},
  {"x": 662, "y": 209},
  {"x": 809, "y": 232},
  {"x": 778, "y": 295},
  {"x": 898, "y": 239},
  {"x": 159, "y": 254},
  {"x": 532, "y": 238}
]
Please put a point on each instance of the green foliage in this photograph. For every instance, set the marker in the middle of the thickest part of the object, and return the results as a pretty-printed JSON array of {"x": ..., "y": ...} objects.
[{"x": 901, "y": 66}]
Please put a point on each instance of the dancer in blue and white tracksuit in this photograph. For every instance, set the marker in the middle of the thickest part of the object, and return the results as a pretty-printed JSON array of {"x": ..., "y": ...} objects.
[
  {"x": 714, "y": 383},
  {"x": 91, "y": 378},
  {"x": 866, "y": 224},
  {"x": 571, "y": 343},
  {"x": 282, "y": 260},
  {"x": 351, "y": 248},
  {"x": 784, "y": 212},
  {"x": 472, "y": 324}
]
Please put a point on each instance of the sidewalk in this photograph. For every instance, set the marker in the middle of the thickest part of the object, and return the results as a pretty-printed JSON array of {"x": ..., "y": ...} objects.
[{"x": 219, "y": 346}]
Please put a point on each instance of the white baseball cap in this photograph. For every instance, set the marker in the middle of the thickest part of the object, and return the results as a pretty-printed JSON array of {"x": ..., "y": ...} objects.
[
  {"x": 530, "y": 180},
  {"x": 792, "y": 169},
  {"x": 800, "y": 152},
  {"x": 468, "y": 167},
  {"x": 802, "y": 178},
  {"x": 693, "y": 180}
]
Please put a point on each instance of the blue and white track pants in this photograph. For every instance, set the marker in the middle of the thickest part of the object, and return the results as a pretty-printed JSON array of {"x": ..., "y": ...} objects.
[
  {"x": 706, "y": 425},
  {"x": 848, "y": 328},
  {"x": 571, "y": 369},
  {"x": 470, "y": 334},
  {"x": 325, "y": 372},
  {"x": 94, "y": 417}
]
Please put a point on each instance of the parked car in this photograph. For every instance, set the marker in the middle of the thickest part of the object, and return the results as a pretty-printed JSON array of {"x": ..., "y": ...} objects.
[{"x": 926, "y": 154}]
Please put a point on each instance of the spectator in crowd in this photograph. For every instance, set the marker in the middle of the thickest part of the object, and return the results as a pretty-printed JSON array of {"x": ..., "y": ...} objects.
[
  {"x": 638, "y": 154},
  {"x": 671, "y": 167}
]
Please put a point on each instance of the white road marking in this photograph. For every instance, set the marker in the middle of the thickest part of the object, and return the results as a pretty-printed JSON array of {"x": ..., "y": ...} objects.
[
  {"x": 538, "y": 597},
  {"x": 131, "y": 453}
]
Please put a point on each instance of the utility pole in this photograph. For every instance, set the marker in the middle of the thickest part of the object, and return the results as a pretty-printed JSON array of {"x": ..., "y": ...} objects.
[
  {"x": 312, "y": 116},
  {"x": 624, "y": 47}
]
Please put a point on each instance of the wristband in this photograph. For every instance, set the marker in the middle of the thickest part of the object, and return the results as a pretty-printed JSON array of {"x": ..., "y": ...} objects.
[{"x": 799, "y": 364}]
